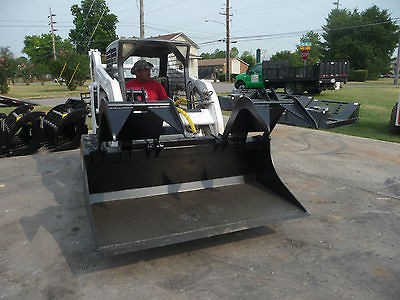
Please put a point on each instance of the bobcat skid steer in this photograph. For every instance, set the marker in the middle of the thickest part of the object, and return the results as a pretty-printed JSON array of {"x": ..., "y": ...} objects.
[{"x": 160, "y": 173}]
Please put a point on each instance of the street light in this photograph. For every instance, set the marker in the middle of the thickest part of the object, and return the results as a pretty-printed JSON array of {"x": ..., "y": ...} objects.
[{"x": 222, "y": 23}]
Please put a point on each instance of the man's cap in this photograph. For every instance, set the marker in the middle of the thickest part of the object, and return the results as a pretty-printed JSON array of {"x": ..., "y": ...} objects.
[{"x": 141, "y": 65}]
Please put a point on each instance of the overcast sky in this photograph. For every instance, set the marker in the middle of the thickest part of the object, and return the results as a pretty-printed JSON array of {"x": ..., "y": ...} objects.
[{"x": 269, "y": 25}]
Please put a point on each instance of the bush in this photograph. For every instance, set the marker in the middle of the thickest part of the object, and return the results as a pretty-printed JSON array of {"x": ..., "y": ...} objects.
[
  {"x": 221, "y": 77},
  {"x": 358, "y": 75},
  {"x": 4, "y": 75},
  {"x": 4, "y": 88}
]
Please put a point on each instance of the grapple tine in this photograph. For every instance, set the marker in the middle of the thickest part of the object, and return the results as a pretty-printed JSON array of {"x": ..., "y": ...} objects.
[
  {"x": 64, "y": 124},
  {"x": 23, "y": 130}
]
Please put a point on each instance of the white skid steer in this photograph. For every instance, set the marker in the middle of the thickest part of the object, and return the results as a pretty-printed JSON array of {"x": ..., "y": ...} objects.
[{"x": 164, "y": 172}]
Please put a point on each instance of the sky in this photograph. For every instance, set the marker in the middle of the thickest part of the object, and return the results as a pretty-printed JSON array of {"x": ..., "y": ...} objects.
[{"x": 271, "y": 26}]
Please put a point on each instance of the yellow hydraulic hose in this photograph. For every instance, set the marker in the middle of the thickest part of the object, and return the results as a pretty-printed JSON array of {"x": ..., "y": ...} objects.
[
  {"x": 191, "y": 124},
  {"x": 177, "y": 102}
]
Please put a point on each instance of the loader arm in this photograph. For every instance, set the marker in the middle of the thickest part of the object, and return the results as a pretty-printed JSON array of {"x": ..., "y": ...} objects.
[{"x": 101, "y": 87}]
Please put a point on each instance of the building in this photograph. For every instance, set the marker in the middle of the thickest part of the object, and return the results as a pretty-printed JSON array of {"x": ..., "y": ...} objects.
[
  {"x": 215, "y": 68},
  {"x": 193, "y": 57}
]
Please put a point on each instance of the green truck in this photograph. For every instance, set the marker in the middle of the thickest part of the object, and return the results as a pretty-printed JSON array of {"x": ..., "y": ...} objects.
[{"x": 294, "y": 79}]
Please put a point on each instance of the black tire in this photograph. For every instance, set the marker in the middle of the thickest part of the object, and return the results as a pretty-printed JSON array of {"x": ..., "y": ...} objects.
[
  {"x": 314, "y": 90},
  {"x": 290, "y": 88},
  {"x": 293, "y": 88},
  {"x": 392, "y": 124},
  {"x": 240, "y": 85}
]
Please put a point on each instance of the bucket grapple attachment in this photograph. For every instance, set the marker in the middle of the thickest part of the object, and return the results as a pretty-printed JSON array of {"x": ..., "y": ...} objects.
[
  {"x": 64, "y": 124},
  {"x": 21, "y": 131},
  {"x": 146, "y": 188}
]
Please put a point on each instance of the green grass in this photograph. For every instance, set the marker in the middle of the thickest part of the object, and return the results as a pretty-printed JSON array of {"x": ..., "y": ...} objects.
[
  {"x": 7, "y": 110},
  {"x": 48, "y": 90},
  {"x": 377, "y": 99}
]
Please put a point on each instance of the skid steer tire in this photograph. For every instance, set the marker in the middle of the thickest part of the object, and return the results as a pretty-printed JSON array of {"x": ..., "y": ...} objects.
[
  {"x": 240, "y": 85},
  {"x": 290, "y": 88},
  {"x": 392, "y": 123}
]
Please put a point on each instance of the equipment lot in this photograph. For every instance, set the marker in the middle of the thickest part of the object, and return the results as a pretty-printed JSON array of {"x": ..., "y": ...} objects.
[{"x": 348, "y": 247}]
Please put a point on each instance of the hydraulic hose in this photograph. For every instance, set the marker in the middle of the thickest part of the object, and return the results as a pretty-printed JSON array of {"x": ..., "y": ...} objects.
[
  {"x": 187, "y": 117},
  {"x": 177, "y": 102}
]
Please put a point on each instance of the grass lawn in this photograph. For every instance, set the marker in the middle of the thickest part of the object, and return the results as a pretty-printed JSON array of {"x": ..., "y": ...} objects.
[
  {"x": 48, "y": 90},
  {"x": 377, "y": 99}
]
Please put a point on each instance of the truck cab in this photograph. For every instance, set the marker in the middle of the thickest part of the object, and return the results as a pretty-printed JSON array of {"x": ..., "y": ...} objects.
[{"x": 251, "y": 79}]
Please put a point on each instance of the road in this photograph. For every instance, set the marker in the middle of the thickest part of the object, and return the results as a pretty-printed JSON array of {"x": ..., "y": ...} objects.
[{"x": 347, "y": 248}]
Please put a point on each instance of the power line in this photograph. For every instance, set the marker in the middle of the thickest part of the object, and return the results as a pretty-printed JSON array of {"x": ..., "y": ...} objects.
[{"x": 295, "y": 33}]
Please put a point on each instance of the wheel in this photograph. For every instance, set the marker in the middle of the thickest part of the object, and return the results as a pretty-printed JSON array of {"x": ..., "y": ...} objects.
[
  {"x": 290, "y": 88},
  {"x": 314, "y": 90},
  {"x": 240, "y": 85},
  {"x": 392, "y": 124}
]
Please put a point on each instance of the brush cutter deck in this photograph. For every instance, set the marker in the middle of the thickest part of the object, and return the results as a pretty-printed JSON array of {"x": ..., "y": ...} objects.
[{"x": 150, "y": 192}]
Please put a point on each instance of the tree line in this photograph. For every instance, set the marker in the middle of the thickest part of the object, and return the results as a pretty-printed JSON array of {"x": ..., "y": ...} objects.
[
  {"x": 95, "y": 28},
  {"x": 367, "y": 39}
]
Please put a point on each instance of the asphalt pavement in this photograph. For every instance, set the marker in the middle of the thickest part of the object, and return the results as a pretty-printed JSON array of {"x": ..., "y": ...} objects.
[{"x": 347, "y": 248}]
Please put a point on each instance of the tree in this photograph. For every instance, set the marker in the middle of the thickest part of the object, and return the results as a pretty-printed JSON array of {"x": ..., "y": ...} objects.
[
  {"x": 25, "y": 70},
  {"x": 6, "y": 58},
  {"x": 367, "y": 39},
  {"x": 40, "y": 71},
  {"x": 234, "y": 52},
  {"x": 40, "y": 48},
  {"x": 95, "y": 26},
  {"x": 295, "y": 59},
  {"x": 71, "y": 67},
  {"x": 316, "y": 50},
  {"x": 40, "y": 52},
  {"x": 248, "y": 58},
  {"x": 282, "y": 55}
]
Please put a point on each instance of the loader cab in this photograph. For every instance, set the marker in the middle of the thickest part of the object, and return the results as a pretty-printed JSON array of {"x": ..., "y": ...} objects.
[{"x": 169, "y": 58}]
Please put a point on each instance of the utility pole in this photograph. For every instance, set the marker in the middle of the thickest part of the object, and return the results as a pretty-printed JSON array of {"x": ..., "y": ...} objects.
[
  {"x": 141, "y": 19},
  {"x": 337, "y": 3},
  {"x": 397, "y": 68},
  {"x": 52, "y": 29},
  {"x": 227, "y": 41}
]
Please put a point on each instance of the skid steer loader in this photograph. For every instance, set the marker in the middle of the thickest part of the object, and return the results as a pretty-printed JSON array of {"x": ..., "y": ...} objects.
[{"x": 160, "y": 173}]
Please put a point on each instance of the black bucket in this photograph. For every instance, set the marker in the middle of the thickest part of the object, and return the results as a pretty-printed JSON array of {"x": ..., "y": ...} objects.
[{"x": 170, "y": 189}]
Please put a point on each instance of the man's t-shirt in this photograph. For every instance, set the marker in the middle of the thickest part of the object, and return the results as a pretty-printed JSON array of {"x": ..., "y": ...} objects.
[{"x": 154, "y": 90}]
